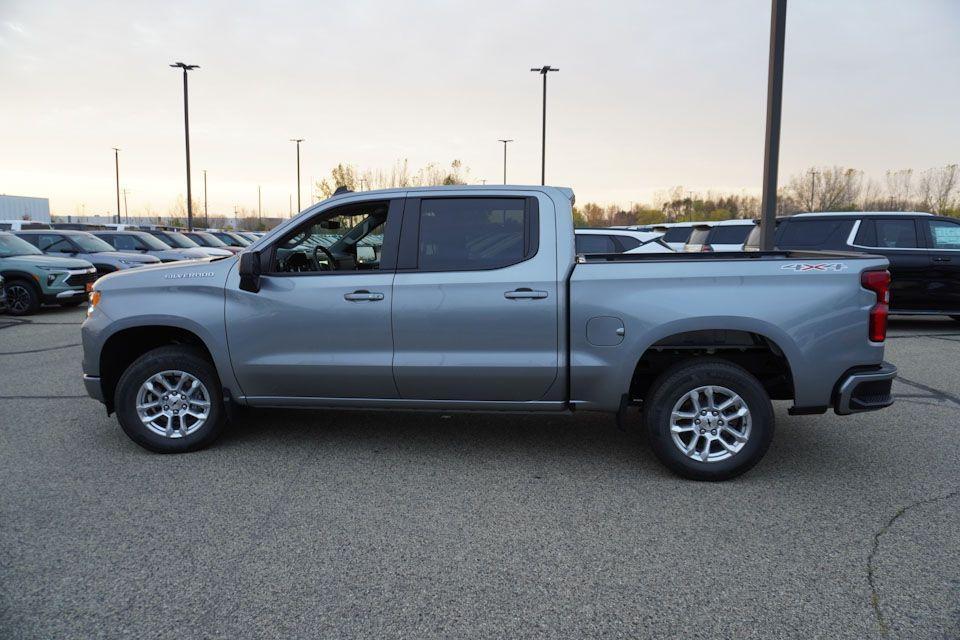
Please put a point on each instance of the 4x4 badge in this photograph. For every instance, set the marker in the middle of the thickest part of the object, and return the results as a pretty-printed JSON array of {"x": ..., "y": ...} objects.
[{"x": 820, "y": 266}]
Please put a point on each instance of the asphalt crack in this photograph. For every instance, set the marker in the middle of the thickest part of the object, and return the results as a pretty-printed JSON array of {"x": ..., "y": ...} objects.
[
  {"x": 939, "y": 394},
  {"x": 871, "y": 571},
  {"x": 17, "y": 353}
]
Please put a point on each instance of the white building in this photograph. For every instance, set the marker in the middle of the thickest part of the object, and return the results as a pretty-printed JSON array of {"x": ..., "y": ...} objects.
[{"x": 24, "y": 208}]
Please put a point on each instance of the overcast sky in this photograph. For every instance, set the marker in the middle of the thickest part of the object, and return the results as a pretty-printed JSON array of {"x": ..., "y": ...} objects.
[{"x": 650, "y": 93}]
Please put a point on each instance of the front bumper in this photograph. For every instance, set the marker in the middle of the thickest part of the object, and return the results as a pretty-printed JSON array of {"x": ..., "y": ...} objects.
[{"x": 865, "y": 390}]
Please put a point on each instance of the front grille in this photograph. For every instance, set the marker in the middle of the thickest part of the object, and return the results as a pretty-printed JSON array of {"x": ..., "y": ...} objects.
[{"x": 80, "y": 279}]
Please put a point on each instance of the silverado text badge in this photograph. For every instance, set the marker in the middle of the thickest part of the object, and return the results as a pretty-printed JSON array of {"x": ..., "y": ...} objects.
[
  {"x": 820, "y": 266},
  {"x": 189, "y": 274}
]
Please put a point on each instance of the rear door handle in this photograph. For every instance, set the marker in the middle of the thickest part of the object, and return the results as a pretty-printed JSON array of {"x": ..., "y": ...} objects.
[
  {"x": 363, "y": 295},
  {"x": 941, "y": 259},
  {"x": 523, "y": 293}
]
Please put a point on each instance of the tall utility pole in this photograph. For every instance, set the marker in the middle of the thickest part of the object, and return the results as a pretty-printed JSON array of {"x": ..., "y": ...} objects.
[
  {"x": 206, "y": 214},
  {"x": 116, "y": 166},
  {"x": 813, "y": 188},
  {"x": 259, "y": 206},
  {"x": 298, "y": 141},
  {"x": 544, "y": 70},
  {"x": 186, "y": 136},
  {"x": 126, "y": 211},
  {"x": 290, "y": 206},
  {"x": 505, "y": 158},
  {"x": 771, "y": 150}
]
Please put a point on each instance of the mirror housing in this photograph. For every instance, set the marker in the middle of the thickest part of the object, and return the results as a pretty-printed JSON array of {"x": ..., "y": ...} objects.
[
  {"x": 366, "y": 254},
  {"x": 249, "y": 270}
]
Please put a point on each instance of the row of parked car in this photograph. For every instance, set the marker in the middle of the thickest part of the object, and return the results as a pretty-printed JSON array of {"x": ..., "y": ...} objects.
[
  {"x": 57, "y": 263},
  {"x": 923, "y": 249}
]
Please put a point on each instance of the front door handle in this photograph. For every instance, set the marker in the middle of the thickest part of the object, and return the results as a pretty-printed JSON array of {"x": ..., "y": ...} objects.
[
  {"x": 941, "y": 259},
  {"x": 523, "y": 293},
  {"x": 362, "y": 295}
]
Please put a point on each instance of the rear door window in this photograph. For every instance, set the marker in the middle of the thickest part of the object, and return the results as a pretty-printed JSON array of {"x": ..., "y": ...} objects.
[
  {"x": 813, "y": 234},
  {"x": 627, "y": 242},
  {"x": 466, "y": 234},
  {"x": 677, "y": 234},
  {"x": 730, "y": 234},
  {"x": 896, "y": 234},
  {"x": 595, "y": 243},
  {"x": 944, "y": 234}
]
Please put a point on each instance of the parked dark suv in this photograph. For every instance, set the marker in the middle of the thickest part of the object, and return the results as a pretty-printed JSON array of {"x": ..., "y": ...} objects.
[{"x": 923, "y": 249}]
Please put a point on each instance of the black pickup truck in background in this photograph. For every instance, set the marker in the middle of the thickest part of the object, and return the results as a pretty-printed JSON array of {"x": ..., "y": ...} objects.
[{"x": 923, "y": 249}]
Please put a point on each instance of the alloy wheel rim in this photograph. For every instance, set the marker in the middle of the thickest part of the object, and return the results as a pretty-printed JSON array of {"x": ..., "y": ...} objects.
[
  {"x": 710, "y": 423},
  {"x": 173, "y": 403},
  {"x": 18, "y": 298}
]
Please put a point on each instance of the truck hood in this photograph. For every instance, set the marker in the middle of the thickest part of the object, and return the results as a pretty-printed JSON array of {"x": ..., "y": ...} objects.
[
  {"x": 165, "y": 275},
  {"x": 45, "y": 261}
]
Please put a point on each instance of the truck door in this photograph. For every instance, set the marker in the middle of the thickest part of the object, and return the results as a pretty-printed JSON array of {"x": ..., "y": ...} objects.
[
  {"x": 320, "y": 325},
  {"x": 943, "y": 241},
  {"x": 475, "y": 305}
]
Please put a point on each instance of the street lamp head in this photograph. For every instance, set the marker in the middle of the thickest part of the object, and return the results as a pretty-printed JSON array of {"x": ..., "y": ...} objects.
[
  {"x": 506, "y": 141},
  {"x": 296, "y": 140},
  {"x": 544, "y": 69},
  {"x": 185, "y": 67}
]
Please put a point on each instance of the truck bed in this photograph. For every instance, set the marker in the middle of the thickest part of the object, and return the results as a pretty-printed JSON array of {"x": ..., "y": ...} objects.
[{"x": 588, "y": 258}]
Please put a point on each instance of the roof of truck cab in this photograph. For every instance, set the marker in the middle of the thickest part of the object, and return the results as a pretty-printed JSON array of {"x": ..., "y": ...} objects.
[{"x": 567, "y": 192}]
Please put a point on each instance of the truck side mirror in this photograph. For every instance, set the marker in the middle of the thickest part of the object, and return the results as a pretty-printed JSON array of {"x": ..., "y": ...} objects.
[{"x": 249, "y": 271}]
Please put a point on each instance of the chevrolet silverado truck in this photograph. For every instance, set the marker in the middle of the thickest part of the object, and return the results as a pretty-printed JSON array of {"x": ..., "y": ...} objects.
[{"x": 473, "y": 298}]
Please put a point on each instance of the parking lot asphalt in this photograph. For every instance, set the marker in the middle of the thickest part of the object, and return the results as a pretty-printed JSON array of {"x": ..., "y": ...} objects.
[{"x": 356, "y": 524}]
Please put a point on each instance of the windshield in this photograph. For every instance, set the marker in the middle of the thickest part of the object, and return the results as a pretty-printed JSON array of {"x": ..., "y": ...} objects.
[
  {"x": 11, "y": 245},
  {"x": 230, "y": 239},
  {"x": 90, "y": 244},
  {"x": 152, "y": 243},
  {"x": 177, "y": 239}
]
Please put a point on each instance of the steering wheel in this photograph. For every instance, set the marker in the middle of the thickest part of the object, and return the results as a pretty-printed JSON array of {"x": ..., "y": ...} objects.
[{"x": 333, "y": 264}]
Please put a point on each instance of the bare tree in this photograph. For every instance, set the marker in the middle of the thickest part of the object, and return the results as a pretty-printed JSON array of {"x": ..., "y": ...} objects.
[
  {"x": 899, "y": 187},
  {"x": 936, "y": 188}
]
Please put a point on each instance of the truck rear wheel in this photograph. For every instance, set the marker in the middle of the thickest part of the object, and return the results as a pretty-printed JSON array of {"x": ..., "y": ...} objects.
[
  {"x": 708, "y": 419},
  {"x": 170, "y": 401}
]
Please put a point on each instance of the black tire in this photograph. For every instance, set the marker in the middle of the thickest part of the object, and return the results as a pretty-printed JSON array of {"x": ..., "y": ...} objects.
[
  {"x": 174, "y": 357},
  {"x": 23, "y": 299},
  {"x": 70, "y": 303},
  {"x": 682, "y": 379}
]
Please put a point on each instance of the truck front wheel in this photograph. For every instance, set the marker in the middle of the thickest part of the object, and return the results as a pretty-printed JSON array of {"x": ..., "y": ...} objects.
[
  {"x": 708, "y": 419},
  {"x": 170, "y": 401}
]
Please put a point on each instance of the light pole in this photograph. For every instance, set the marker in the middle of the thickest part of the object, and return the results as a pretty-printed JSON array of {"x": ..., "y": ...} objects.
[
  {"x": 771, "y": 149},
  {"x": 544, "y": 70},
  {"x": 259, "y": 206},
  {"x": 298, "y": 141},
  {"x": 186, "y": 136},
  {"x": 505, "y": 158},
  {"x": 206, "y": 215},
  {"x": 126, "y": 211},
  {"x": 116, "y": 166}
]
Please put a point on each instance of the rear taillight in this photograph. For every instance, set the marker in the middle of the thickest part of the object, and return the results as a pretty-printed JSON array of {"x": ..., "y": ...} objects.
[{"x": 879, "y": 283}]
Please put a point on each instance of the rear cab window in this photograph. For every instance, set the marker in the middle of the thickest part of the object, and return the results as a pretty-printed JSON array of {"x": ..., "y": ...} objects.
[
  {"x": 469, "y": 234},
  {"x": 595, "y": 243}
]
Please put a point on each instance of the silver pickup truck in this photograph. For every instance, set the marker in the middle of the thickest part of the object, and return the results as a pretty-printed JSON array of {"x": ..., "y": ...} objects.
[{"x": 472, "y": 298}]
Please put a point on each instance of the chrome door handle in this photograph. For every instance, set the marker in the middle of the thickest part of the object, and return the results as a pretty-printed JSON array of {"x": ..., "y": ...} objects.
[
  {"x": 363, "y": 295},
  {"x": 523, "y": 293}
]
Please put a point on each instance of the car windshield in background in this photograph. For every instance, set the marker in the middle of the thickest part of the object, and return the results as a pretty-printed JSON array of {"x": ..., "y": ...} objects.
[
  {"x": 730, "y": 234},
  {"x": 90, "y": 244},
  {"x": 677, "y": 234},
  {"x": 11, "y": 245},
  {"x": 233, "y": 239},
  {"x": 210, "y": 239},
  {"x": 152, "y": 243},
  {"x": 178, "y": 240}
]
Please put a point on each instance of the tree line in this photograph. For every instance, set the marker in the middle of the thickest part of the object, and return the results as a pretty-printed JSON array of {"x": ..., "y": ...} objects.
[{"x": 934, "y": 190}]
